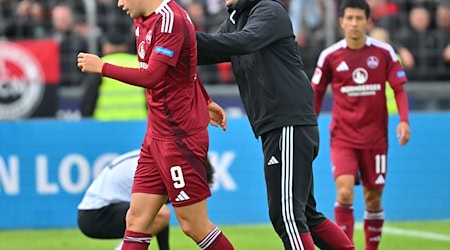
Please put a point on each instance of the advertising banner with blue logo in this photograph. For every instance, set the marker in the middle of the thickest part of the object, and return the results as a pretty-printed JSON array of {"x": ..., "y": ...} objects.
[{"x": 46, "y": 166}]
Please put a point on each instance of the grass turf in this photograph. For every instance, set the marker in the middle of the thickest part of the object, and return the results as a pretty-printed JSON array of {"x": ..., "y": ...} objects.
[{"x": 424, "y": 235}]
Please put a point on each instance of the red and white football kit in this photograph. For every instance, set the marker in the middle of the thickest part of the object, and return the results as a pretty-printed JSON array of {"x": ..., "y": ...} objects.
[
  {"x": 174, "y": 151},
  {"x": 359, "y": 114}
]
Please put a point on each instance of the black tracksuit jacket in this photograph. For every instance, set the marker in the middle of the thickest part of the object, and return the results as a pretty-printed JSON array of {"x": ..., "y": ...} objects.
[{"x": 258, "y": 40}]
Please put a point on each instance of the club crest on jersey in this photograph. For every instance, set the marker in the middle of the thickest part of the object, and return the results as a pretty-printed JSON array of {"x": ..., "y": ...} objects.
[
  {"x": 148, "y": 37},
  {"x": 141, "y": 50},
  {"x": 372, "y": 62},
  {"x": 360, "y": 75}
]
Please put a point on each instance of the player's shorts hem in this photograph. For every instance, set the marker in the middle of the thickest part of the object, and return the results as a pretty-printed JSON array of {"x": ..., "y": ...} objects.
[
  {"x": 373, "y": 185},
  {"x": 190, "y": 201},
  {"x": 144, "y": 191}
]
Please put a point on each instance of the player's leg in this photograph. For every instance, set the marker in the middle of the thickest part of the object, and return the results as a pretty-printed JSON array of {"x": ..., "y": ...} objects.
[
  {"x": 160, "y": 227},
  {"x": 183, "y": 170},
  {"x": 326, "y": 234},
  {"x": 195, "y": 223},
  {"x": 373, "y": 174},
  {"x": 104, "y": 223},
  {"x": 288, "y": 175},
  {"x": 148, "y": 195},
  {"x": 140, "y": 217},
  {"x": 345, "y": 171}
]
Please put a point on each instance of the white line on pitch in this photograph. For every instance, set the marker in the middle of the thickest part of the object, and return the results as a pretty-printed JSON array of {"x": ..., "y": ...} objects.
[{"x": 412, "y": 233}]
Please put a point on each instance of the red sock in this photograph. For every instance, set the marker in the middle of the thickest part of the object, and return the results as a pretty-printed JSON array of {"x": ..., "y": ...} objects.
[
  {"x": 327, "y": 235},
  {"x": 215, "y": 240},
  {"x": 345, "y": 219},
  {"x": 307, "y": 241},
  {"x": 136, "y": 241},
  {"x": 373, "y": 226}
]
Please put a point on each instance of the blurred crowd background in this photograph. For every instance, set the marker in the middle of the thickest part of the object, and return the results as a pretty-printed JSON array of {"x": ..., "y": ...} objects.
[{"x": 418, "y": 29}]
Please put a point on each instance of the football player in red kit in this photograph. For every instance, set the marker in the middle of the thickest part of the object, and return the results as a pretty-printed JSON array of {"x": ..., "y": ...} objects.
[
  {"x": 173, "y": 155},
  {"x": 357, "y": 67}
]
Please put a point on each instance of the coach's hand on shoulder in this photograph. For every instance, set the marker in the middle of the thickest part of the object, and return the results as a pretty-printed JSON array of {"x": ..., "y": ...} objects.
[
  {"x": 217, "y": 116},
  {"x": 89, "y": 63},
  {"x": 403, "y": 133}
]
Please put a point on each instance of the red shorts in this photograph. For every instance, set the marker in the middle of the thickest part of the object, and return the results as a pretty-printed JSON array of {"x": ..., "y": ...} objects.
[
  {"x": 369, "y": 165},
  {"x": 174, "y": 168}
]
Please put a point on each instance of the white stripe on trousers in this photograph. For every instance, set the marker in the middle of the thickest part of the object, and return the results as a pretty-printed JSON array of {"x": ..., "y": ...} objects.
[{"x": 287, "y": 172}]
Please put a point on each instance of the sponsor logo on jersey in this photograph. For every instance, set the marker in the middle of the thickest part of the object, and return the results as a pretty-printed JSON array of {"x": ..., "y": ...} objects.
[
  {"x": 401, "y": 74},
  {"x": 317, "y": 75},
  {"x": 164, "y": 51},
  {"x": 21, "y": 82},
  {"x": 342, "y": 67},
  {"x": 372, "y": 62},
  {"x": 361, "y": 90}
]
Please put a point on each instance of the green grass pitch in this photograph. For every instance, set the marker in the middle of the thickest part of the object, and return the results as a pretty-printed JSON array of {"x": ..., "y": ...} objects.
[{"x": 426, "y": 235}]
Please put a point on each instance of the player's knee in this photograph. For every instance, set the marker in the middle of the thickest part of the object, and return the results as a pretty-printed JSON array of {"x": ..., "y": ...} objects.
[
  {"x": 373, "y": 201},
  {"x": 164, "y": 214},
  {"x": 345, "y": 195},
  {"x": 187, "y": 228},
  {"x": 134, "y": 220}
]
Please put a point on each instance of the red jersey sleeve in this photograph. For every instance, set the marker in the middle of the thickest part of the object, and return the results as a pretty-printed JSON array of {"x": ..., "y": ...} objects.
[
  {"x": 320, "y": 81},
  {"x": 169, "y": 41},
  {"x": 401, "y": 100},
  {"x": 397, "y": 77},
  {"x": 396, "y": 74},
  {"x": 146, "y": 78}
]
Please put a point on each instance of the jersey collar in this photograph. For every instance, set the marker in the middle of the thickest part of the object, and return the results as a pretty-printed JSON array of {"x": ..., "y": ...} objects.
[{"x": 368, "y": 42}]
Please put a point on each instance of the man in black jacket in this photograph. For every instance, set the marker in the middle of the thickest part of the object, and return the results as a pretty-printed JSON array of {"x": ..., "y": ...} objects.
[{"x": 258, "y": 40}]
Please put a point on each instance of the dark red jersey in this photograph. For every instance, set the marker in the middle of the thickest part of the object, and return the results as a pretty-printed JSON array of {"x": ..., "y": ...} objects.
[
  {"x": 177, "y": 105},
  {"x": 358, "y": 80}
]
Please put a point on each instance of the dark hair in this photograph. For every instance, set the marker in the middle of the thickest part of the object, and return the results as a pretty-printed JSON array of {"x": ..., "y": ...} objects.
[{"x": 357, "y": 4}]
